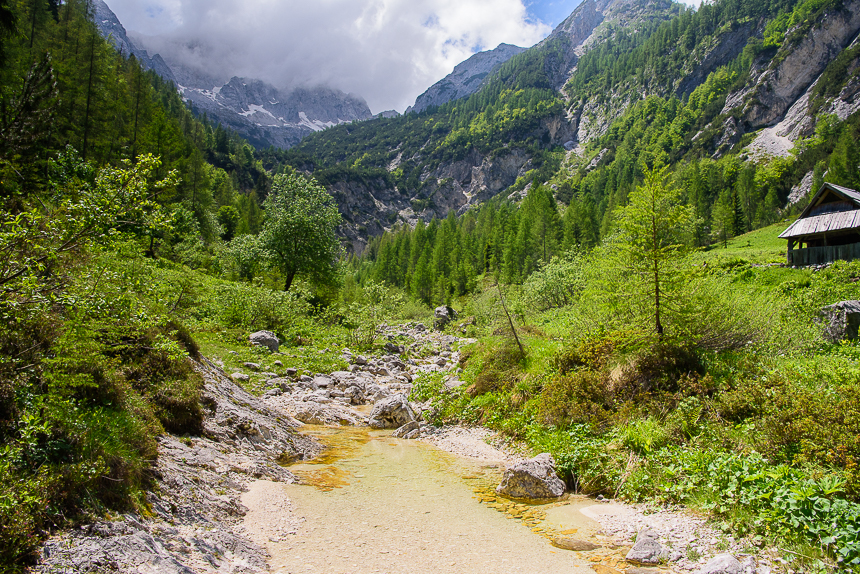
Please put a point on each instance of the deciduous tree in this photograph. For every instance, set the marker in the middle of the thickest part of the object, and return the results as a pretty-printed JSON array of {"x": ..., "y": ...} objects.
[{"x": 299, "y": 236}]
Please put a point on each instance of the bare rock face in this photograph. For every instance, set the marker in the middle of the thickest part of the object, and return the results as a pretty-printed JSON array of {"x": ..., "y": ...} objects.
[
  {"x": 841, "y": 321},
  {"x": 196, "y": 513},
  {"x": 781, "y": 84},
  {"x": 266, "y": 339},
  {"x": 533, "y": 479},
  {"x": 391, "y": 413},
  {"x": 466, "y": 79}
]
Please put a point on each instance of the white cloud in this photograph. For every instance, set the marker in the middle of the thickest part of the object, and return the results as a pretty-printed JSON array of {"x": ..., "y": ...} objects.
[{"x": 387, "y": 51}]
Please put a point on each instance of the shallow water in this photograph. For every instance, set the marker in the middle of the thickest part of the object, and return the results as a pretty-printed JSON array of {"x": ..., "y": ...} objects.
[{"x": 372, "y": 503}]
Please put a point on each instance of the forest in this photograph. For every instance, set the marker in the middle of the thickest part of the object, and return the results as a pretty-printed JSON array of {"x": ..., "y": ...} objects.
[{"x": 138, "y": 238}]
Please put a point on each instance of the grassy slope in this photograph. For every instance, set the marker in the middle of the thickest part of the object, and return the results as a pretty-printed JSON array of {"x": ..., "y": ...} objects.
[{"x": 764, "y": 436}]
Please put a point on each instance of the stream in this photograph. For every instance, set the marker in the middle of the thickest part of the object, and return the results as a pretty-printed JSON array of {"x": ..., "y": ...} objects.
[{"x": 376, "y": 504}]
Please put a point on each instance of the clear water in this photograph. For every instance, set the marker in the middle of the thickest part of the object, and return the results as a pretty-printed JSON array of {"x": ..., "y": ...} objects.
[{"x": 372, "y": 503}]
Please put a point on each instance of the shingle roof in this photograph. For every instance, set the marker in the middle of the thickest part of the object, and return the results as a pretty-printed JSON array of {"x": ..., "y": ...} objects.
[
  {"x": 806, "y": 226},
  {"x": 826, "y": 223}
]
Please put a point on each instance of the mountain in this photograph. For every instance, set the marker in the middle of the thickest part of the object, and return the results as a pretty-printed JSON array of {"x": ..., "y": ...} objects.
[
  {"x": 467, "y": 151},
  {"x": 263, "y": 114},
  {"x": 620, "y": 84},
  {"x": 112, "y": 29},
  {"x": 466, "y": 79},
  {"x": 266, "y": 116}
]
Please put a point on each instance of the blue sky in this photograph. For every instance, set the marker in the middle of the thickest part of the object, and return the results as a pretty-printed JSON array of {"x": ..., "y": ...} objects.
[{"x": 551, "y": 12}]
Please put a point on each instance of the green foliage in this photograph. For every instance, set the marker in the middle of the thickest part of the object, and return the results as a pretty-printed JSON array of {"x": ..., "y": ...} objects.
[
  {"x": 556, "y": 284},
  {"x": 650, "y": 244},
  {"x": 298, "y": 236}
]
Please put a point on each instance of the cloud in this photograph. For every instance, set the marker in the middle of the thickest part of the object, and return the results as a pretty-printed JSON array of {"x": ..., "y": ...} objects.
[{"x": 387, "y": 51}]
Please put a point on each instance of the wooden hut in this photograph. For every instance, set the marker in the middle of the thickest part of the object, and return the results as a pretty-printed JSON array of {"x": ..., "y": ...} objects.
[{"x": 827, "y": 230}]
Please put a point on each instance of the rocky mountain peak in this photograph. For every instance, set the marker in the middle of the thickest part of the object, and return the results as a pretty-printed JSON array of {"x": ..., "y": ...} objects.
[
  {"x": 466, "y": 79},
  {"x": 111, "y": 28}
]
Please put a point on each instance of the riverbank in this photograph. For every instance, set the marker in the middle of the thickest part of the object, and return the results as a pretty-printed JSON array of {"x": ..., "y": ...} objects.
[{"x": 224, "y": 502}]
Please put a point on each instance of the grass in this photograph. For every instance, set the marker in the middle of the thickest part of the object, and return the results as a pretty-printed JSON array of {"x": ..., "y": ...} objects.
[{"x": 769, "y": 408}]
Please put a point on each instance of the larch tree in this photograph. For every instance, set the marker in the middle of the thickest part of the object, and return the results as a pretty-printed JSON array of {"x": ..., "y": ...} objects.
[{"x": 651, "y": 241}]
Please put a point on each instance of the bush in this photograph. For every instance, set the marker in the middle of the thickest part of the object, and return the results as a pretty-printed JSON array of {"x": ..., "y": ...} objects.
[{"x": 500, "y": 367}]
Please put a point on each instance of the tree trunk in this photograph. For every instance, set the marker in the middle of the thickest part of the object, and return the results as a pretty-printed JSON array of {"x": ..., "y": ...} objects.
[{"x": 290, "y": 276}]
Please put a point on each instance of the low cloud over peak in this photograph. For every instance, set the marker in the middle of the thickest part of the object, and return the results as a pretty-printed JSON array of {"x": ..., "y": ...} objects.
[{"x": 387, "y": 51}]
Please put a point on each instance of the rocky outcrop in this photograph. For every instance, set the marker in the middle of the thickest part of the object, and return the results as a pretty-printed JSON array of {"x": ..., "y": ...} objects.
[
  {"x": 195, "y": 518},
  {"x": 533, "y": 479},
  {"x": 466, "y": 79},
  {"x": 841, "y": 321},
  {"x": 369, "y": 207},
  {"x": 112, "y": 30},
  {"x": 267, "y": 116},
  {"x": 795, "y": 67}
]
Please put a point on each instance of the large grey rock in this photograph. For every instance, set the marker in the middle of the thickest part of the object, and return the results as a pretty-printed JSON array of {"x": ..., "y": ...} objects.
[
  {"x": 721, "y": 564},
  {"x": 841, "y": 320},
  {"x": 647, "y": 549},
  {"x": 266, "y": 339},
  {"x": 406, "y": 429},
  {"x": 391, "y": 413},
  {"x": 443, "y": 316},
  {"x": 532, "y": 479},
  {"x": 314, "y": 413}
]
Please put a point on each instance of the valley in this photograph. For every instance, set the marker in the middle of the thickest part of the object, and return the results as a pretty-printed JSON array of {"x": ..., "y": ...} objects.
[{"x": 250, "y": 328}]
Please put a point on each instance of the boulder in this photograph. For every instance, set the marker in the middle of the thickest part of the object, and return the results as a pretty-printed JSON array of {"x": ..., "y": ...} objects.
[
  {"x": 647, "y": 549},
  {"x": 533, "y": 479},
  {"x": 314, "y": 413},
  {"x": 240, "y": 377},
  {"x": 405, "y": 429},
  {"x": 355, "y": 395},
  {"x": 266, "y": 339},
  {"x": 443, "y": 316},
  {"x": 252, "y": 366},
  {"x": 322, "y": 381},
  {"x": 721, "y": 564},
  {"x": 391, "y": 413},
  {"x": 841, "y": 321},
  {"x": 392, "y": 348}
]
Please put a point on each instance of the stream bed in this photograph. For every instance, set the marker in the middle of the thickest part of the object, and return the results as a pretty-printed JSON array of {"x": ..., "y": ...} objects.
[{"x": 375, "y": 504}]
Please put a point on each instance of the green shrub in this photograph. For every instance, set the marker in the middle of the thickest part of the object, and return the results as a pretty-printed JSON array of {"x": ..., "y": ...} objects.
[{"x": 500, "y": 367}]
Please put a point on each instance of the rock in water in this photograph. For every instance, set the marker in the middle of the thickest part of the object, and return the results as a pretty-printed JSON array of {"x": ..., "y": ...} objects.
[
  {"x": 391, "y": 413},
  {"x": 841, "y": 321},
  {"x": 405, "y": 429},
  {"x": 647, "y": 549},
  {"x": 533, "y": 479},
  {"x": 444, "y": 315},
  {"x": 721, "y": 564},
  {"x": 266, "y": 339},
  {"x": 574, "y": 544}
]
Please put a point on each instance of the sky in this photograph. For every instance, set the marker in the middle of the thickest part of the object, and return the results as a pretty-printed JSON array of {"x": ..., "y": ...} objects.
[{"x": 386, "y": 51}]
